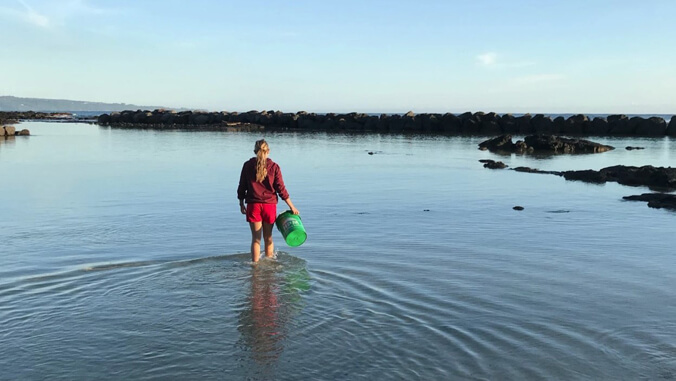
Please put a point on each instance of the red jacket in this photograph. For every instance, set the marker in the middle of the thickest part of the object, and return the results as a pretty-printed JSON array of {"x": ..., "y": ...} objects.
[{"x": 264, "y": 192}]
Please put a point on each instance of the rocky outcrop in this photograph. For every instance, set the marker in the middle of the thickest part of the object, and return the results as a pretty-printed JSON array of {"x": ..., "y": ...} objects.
[
  {"x": 556, "y": 144},
  {"x": 7, "y": 131},
  {"x": 8, "y": 117},
  {"x": 655, "y": 200},
  {"x": 654, "y": 177},
  {"x": 492, "y": 164},
  {"x": 543, "y": 144},
  {"x": 478, "y": 123}
]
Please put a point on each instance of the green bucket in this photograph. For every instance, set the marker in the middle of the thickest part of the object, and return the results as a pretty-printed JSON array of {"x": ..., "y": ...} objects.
[{"x": 292, "y": 229}]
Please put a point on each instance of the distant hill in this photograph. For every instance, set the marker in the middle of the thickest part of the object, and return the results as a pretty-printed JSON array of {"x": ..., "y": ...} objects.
[{"x": 9, "y": 103}]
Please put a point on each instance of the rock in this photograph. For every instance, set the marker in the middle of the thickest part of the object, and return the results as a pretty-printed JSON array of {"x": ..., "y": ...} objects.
[
  {"x": 576, "y": 124},
  {"x": 492, "y": 164},
  {"x": 653, "y": 177},
  {"x": 524, "y": 124},
  {"x": 654, "y": 126},
  {"x": 489, "y": 124},
  {"x": 518, "y": 207},
  {"x": 560, "y": 125},
  {"x": 619, "y": 125},
  {"x": 655, "y": 200},
  {"x": 543, "y": 143},
  {"x": 629, "y": 148},
  {"x": 103, "y": 119},
  {"x": 24, "y": 132},
  {"x": 671, "y": 129},
  {"x": 450, "y": 123},
  {"x": 633, "y": 124},
  {"x": 9, "y": 131},
  {"x": 500, "y": 143},
  {"x": 598, "y": 127},
  {"x": 521, "y": 147},
  {"x": 508, "y": 124},
  {"x": 535, "y": 170},
  {"x": 543, "y": 125},
  {"x": 588, "y": 176},
  {"x": 554, "y": 144}
]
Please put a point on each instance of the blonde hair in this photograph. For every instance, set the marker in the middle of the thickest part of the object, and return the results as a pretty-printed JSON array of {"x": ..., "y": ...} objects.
[{"x": 260, "y": 149}]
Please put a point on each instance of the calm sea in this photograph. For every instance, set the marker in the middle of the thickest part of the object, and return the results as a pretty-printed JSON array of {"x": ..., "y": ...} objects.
[{"x": 123, "y": 256}]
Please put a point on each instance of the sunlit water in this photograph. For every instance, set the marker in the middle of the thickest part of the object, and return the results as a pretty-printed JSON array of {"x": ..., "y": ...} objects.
[{"x": 123, "y": 256}]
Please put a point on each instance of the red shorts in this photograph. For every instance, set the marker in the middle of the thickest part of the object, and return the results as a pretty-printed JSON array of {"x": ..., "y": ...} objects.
[{"x": 256, "y": 212}]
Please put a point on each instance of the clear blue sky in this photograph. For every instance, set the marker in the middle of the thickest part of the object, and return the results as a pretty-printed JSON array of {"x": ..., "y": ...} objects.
[{"x": 591, "y": 56}]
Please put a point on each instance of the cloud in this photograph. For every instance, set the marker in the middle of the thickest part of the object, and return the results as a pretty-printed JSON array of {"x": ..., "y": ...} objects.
[
  {"x": 487, "y": 59},
  {"x": 34, "y": 17},
  {"x": 51, "y": 14}
]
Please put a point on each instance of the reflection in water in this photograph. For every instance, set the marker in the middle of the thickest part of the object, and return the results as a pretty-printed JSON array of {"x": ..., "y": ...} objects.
[
  {"x": 7, "y": 140},
  {"x": 274, "y": 298}
]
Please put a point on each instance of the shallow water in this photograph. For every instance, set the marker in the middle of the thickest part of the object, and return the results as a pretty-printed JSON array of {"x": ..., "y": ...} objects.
[{"x": 123, "y": 256}]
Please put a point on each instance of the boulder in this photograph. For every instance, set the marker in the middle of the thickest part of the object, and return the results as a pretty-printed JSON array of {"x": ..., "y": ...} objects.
[
  {"x": 619, "y": 125},
  {"x": 535, "y": 170},
  {"x": 9, "y": 131},
  {"x": 492, "y": 164},
  {"x": 560, "y": 124},
  {"x": 543, "y": 144},
  {"x": 200, "y": 119},
  {"x": 508, "y": 124},
  {"x": 410, "y": 123},
  {"x": 500, "y": 143},
  {"x": 490, "y": 124},
  {"x": 543, "y": 124},
  {"x": 655, "y": 200},
  {"x": 588, "y": 176},
  {"x": 450, "y": 124},
  {"x": 598, "y": 127},
  {"x": 671, "y": 129},
  {"x": 653, "y": 177},
  {"x": 524, "y": 124},
  {"x": 633, "y": 123},
  {"x": 430, "y": 122},
  {"x": 555, "y": 144},
  {"x": 654, "y": 126},
  {"x": 103, "y": 119},
  {"x": 24, "y": 132},
  {"x": 576, "y": 124}
]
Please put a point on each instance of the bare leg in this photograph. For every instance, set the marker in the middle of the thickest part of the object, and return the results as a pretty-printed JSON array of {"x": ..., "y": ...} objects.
[
  {"x": 256, "y": 228},
  {"x": 267, "y": 236}
]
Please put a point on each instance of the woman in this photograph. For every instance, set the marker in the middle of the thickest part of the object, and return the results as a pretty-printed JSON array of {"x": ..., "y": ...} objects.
[{"x": 259, "y": 184}]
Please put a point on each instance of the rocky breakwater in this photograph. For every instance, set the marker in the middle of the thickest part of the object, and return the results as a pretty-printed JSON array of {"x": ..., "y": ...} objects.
[{"x": 478, "y": 123}]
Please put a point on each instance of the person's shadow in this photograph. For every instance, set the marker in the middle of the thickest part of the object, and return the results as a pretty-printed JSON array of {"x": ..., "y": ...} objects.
[{"x": 272, "y": 301}]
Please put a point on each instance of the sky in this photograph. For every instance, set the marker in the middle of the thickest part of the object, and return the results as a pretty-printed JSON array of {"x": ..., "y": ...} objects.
[{"x": 573, "y": 56}]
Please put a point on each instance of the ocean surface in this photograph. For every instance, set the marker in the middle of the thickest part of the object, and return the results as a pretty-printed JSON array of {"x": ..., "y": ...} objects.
[{"x": 123, "y": 255}]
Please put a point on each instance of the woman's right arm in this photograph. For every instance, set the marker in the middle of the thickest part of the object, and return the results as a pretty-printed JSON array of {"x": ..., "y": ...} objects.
[{"x": 290, "y": 204}]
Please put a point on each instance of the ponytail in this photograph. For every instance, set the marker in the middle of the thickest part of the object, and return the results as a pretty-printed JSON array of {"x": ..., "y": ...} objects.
[{"x": 260, "y": 149}]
